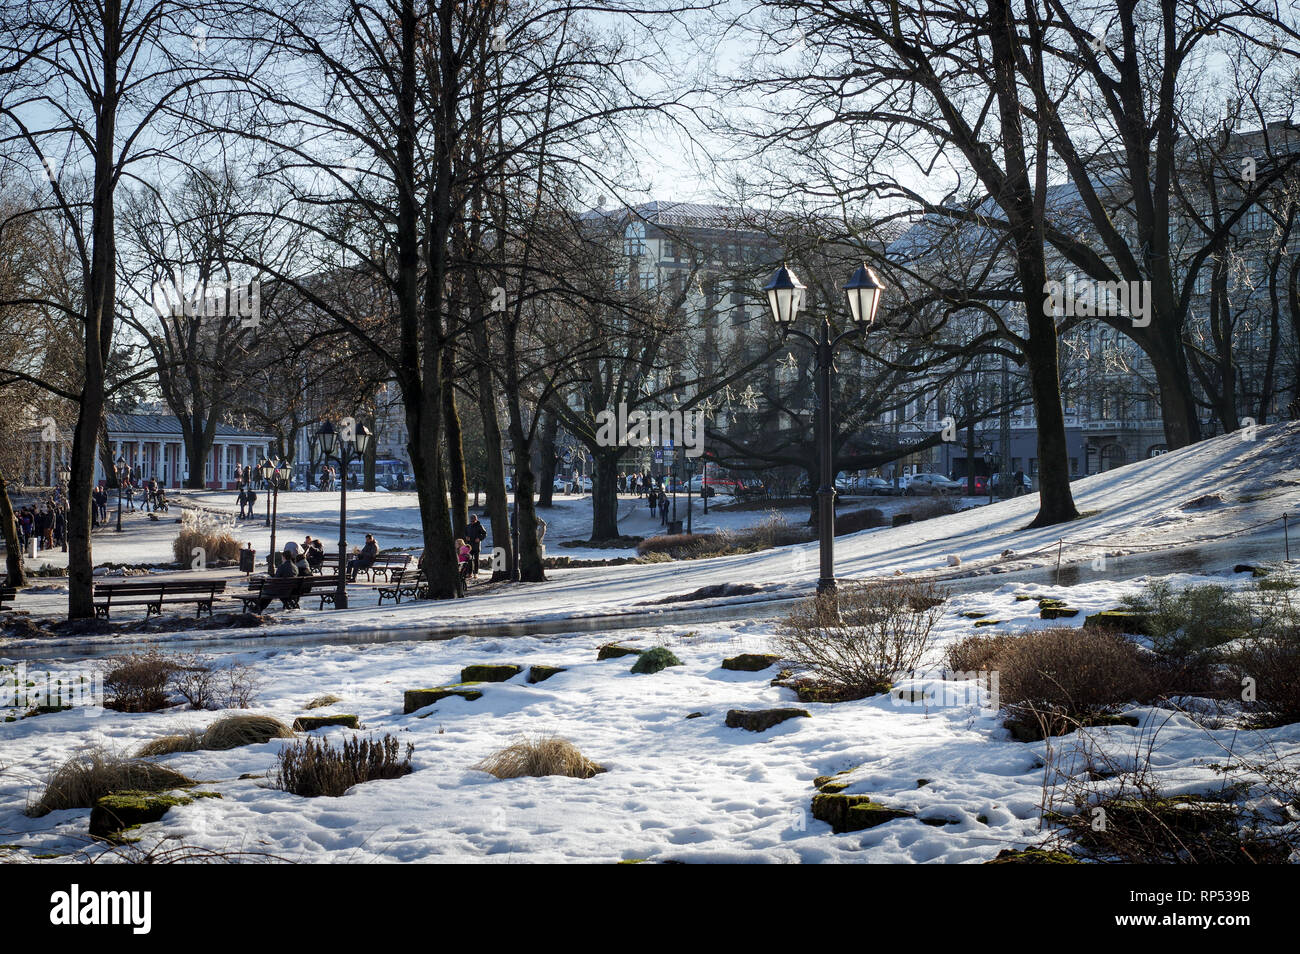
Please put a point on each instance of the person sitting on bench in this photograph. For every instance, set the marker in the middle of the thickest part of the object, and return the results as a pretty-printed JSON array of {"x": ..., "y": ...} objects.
[
  {"x": 287, "y": 570},
  {"x": 363, "y": 560}
]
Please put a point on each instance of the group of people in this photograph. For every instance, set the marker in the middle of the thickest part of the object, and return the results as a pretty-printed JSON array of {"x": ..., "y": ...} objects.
[
  {"x": 247, "y": 500},
  {"x": 658, "y": 501},
  {"x": 639, "y": 484},
  {"x": 45, "y": 522}
]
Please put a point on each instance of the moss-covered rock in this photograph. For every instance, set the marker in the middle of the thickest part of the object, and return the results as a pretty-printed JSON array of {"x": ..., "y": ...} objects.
[
  {"x": 1028, "y": 728},
  {"x": 1118, "y": 621},
  {"x": 119, "y": 811},
  {"x": 1058, "y": 612},
  {"x": 987, "y": 622},
  {"x": 975, "y": 614},
  {"x": 750, "y": 662},
  {"x": 695, "y": 715},
  {"x": 821, "y": 781},
  {"x": 853, "y": 812},
  {"x": 542, "y": 673},
  {"x": 310, "y": 723},
  {"x": 655, "y": 660},
  {"x": 487, "y": 672},
  {"x": 616, "y": 651},
  {"x": 414, "y": 699},
  {"x": 760, "y": 720},
  {"x": 1032, "y": 856},
  {"x": 1049, "y": 601}
]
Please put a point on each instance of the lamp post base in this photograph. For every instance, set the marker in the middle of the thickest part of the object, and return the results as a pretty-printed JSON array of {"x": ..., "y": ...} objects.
[{"x": 826, "y": 585}]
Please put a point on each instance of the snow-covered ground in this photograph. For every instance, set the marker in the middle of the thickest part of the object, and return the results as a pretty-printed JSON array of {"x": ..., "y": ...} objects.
[
  {"x": 693, "y": 789},
  {"x": 676, "y": 788}
]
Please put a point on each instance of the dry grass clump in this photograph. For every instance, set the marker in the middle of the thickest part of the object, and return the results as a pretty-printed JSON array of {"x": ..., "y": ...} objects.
[
  {"x": 859, "y": 639},
  {"x": 204, "y": 530},
  {"x": 190, "y": 741},
  {"x": 536, "y": 756},
  {"x": 320, "y": 702},
  {"x": 313, "y": 767},
  {"x": 237, "y": 730},
  {"x": 88, "y": 776},
  {"x": 672, "y": 544}
]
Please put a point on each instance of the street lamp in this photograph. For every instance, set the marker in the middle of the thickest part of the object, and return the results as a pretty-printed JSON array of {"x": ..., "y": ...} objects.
[
  {"x": 270, "y": 473},
  {"x": 334, "y": 444},
  {"x": 785, "y": 297},
  {"x": 688, "y": 466},
  {"x": 120, "y": 470}
]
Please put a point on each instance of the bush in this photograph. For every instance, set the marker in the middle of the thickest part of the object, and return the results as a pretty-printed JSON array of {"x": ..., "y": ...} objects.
[
  {"x": 655, "y": 660},
  {"x": 313, "y": 767},
  {"x": 856, "y": 520},
  {"x": 138, "y": 683},
  {"x": 979, "y": 653},
  {"x": 1190, "y": 622},
  {"x": 537, "y": 757},
  {"x": 204, "y": 531},
  {"x": 863, "y": 636},
  {"x": 672, "y": 544},
  {"x": 88, "y": 776},
  {"x": 1273, "y": 662},
  {"x": 232, "y": 686},
  {"x": 933, "y": 507}
]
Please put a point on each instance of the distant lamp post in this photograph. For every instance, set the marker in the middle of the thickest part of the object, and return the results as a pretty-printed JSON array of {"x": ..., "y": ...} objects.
[
  {"x": 785, "y": 298},
  {"x": 688, "y": 467},
  {"x": 336, "y": 445},
  {"x": 120, "y": 471}
]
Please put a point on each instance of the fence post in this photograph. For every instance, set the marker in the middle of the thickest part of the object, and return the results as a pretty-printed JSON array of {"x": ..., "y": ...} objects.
[
  {"x": 1286, "y": 536},
  {"x": 1059, "y": 545}
]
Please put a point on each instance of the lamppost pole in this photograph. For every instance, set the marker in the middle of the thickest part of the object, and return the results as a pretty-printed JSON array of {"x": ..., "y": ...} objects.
[
  {"x": 340, "y": 447},
  {"x": 785, "y": 294},
  {"x": 120, "y": 471}
]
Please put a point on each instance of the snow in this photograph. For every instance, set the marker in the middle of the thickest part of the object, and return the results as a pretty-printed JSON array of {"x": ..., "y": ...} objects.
[{"x": 691, "y": 789}]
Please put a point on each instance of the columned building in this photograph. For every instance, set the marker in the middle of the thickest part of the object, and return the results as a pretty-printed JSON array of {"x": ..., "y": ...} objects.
[{"x": 152, "y": 445}]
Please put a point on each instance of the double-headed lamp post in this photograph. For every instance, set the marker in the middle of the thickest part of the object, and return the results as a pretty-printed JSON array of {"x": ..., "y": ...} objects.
[
  {"x": 785, "y": 297},
  {"x": 333, "y": 444},
  {"x": 270, "y": 472},
  {"x": 65, "y": 475},
  {"x": 120, "y": 470}
]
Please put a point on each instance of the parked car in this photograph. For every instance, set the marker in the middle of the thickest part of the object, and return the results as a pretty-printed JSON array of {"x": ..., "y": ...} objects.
[
  {"x": 718, "y": 485},
  {"x": 932, "y": 485},
  {"x": 876, "y": 487},
  {"x": 1026, "y": 484}
]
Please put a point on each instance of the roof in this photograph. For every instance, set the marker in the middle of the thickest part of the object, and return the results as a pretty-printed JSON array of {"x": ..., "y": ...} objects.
[{"x": 167, "y": 425}]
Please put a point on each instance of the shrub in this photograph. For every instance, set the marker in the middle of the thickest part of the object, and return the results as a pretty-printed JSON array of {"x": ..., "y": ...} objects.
[
  {"x": 90, "y": 775},
  {"x": 313, "y": 767},
  {"x": 203, "y": 530},
  {"x": 138, "y": 683},
  {"x": 538, "y": 756},
  {"x": 979, "y": 653},
  {"x": 654, "y": 660},
  {"x": 232, "y": 686},
  {"x": 1273, "y": 662},
  {"x": 1192, "y": 621},
  {"x": 933, "y": 507},
  {"x": 862, "y": 636},
  {"x": 856, "y": 520},
  {"x": 672, "y": 544},
  {"x": 773, "y": 531}
]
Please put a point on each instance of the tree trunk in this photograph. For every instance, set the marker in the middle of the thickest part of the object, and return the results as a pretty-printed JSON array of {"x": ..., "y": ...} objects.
[
  {"x": 498, "y": 506},
  {"x": 14, "y": 566},
  {"x": 455, "y": 445},
  {"x": 548, "y": 462},
  {"x": 1177, "y": 400},
  {"x": 604, "y": 493}
]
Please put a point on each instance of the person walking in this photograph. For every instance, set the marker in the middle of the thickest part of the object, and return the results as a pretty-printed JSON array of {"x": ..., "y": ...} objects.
[
  {"x": 663, "y": 508},
  {"x": 475, "y": 534},
  {"x": 650, "y": 499},
  {"x": 242, "y": 500}
]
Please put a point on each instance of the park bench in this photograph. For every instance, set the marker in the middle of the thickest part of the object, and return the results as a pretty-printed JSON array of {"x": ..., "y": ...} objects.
[
  {"x": 387, "y": 564},
  {"x": 7, "y": 593},
  {"x": 325, "y": 587},
  {"x": 401, "y": 583},
  {"x": 153, "y": 594},
  {"x": 288, "y": 591},
  {"x": 330, "y": 564}
]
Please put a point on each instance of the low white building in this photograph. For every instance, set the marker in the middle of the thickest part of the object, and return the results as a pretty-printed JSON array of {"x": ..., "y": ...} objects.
[{"x": 153, "y": 446}]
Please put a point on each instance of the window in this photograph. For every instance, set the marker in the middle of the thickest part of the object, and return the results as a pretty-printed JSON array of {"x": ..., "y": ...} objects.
[{"x": 670, "y": 250}]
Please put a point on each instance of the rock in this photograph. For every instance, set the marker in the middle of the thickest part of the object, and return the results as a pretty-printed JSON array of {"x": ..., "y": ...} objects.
[
  {"x": 1118, "y": 621},
  {"x": 1027, "y": 728},
  {"x": 615, "y": 651},
  {"x": 1244, "y": 568},
  {"x": 821, "y": 781},
  {"x": 490, "y": 673},
  {"x": 987, "y": 622},
  {"x": 695, "y": 715},
  {"x": 853, "y": 812},
  {"x": 655, "y": 660},
  {"x": 1058, "y": 612},
  {"x": 750, "y": 662},
  {"x": 542, "y": 673},
  {"x": 1048, "y": 602},
  {"x": 414, "y": 699},
  {"x": 760, "y": 720},
  {"x": 118, "y": 811},
  {"x": 1032, "y": 856},
  {"x": 975, "y": 614},
  {"x": 311, "y": 723}
]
